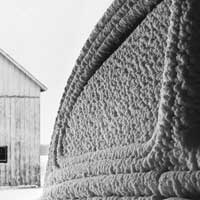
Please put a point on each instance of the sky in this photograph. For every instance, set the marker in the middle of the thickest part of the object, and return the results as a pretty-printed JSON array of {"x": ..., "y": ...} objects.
[{"x": 45, "y": 37}]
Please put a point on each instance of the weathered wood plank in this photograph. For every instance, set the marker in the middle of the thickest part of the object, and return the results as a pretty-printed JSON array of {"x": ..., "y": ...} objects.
[
  {"x": 27, "y": 140},
  {"x": 12, "y": 142},
  {"x": 2, "y": 138},
  {"x": 23, "y": 151},
  {"x": 37, "y": 141},
  {"x": 9, "y": 143},
  {"x": 31, "y": 150},
  {"x": 7, "y": 139},
  {"x": 5, "y": 142}
]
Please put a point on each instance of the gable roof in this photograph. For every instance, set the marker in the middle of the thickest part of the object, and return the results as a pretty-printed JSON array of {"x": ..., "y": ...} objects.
[{"x": 23, "y": 70}]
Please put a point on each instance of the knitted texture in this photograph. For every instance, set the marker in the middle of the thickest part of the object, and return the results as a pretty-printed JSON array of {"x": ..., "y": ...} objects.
[{"x": 129, "y": 119}]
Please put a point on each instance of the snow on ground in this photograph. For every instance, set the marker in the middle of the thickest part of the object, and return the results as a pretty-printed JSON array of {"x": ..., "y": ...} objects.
[
  {"x": 27, "y": 193},
  {"x": 21, "y": 194}
]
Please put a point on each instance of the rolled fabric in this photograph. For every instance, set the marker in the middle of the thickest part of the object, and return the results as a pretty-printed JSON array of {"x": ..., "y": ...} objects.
[{"x": 129, "y": 119}]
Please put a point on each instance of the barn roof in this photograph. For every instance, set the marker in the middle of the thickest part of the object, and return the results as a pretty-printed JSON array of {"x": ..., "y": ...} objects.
[{"x": 23, "y": 70}]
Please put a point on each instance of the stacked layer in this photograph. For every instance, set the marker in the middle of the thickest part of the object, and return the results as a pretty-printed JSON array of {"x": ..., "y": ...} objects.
[{"x": 128, "y": 122}]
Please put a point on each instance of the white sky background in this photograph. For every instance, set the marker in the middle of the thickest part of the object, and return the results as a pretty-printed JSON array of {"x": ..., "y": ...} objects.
[{"x": 45, "y": 37}]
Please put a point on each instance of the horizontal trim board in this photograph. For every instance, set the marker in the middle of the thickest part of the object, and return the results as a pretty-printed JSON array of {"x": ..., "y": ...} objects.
[{"x": 15, "y": 96}]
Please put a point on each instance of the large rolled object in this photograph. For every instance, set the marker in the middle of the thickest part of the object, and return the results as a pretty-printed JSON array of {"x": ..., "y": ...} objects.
[{"x": 128, "y": 126}]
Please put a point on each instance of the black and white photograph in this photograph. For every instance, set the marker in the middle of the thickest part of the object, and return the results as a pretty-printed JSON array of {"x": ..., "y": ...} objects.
[{"x": 100, "y": 100}]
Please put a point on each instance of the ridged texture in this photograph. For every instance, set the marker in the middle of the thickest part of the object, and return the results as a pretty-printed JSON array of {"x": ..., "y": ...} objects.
[{"x": 129, "y": 119}]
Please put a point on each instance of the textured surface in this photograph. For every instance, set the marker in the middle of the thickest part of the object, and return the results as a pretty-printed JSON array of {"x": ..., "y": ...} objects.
[{"x": 129, "y": 119}]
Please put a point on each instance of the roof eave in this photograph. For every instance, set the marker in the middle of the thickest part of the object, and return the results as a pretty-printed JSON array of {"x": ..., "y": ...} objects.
[{"x": 42, "y": 87}]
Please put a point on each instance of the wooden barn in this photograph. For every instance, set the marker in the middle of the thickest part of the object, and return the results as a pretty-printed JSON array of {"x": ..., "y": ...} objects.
[{"x": 19, "y": 124}]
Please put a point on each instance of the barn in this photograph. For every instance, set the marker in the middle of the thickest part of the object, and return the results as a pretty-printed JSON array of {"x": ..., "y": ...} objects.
[{"x": 19, "y": 124}]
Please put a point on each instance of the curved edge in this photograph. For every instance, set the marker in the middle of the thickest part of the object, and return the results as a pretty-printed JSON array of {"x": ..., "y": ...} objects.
[
  {"x": 168, "y": 99},
  {"x": 118, "y": 22}
]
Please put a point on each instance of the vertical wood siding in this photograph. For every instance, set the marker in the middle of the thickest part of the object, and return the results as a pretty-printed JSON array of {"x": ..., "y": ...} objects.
[
  {"x": 19, "y": 126},
  {"x": 20, "y": 131}
]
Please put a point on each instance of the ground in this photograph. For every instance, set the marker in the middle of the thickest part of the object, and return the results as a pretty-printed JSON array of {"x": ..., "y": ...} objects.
[
  {"x": 21, "y": 194},
  {"x": 25, "y": 194}
]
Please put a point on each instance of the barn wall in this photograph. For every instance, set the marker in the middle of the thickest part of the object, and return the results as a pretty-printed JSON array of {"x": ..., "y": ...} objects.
[
  {"x": 13, "y": 82},
  {"x": 20, "y": 130}
]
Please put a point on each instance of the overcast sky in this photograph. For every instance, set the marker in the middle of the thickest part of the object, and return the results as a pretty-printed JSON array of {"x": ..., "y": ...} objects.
[{"x": 45, "y": 37}]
